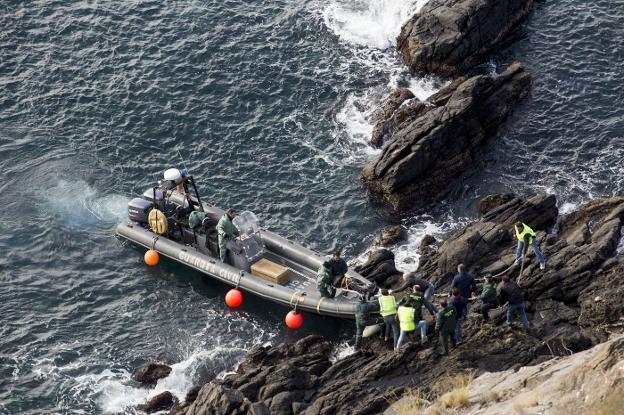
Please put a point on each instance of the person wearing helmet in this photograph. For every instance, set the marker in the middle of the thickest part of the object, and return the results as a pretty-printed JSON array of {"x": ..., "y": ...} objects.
[
  {"x": 177, "y": 177},
  {"x": 226, "y": 232}
]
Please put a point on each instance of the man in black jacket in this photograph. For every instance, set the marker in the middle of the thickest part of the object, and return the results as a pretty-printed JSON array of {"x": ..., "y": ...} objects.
[
  {"x": 464, "y": 282},
  {"x": 509, "y": 292},
  {"x": 410, "y": 279}
]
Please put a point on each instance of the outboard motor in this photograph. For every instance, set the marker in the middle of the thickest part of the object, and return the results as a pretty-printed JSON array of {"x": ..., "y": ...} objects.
[{"x": 139, "y": 209}]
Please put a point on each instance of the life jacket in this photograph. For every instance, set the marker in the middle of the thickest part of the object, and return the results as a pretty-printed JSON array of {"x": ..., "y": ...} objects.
[
  {"x": 525, "y": 231},
  {"x": 406, "y": 318},
  {"x": 157, "y": 222},
  {"x": 387, "y": 305}
]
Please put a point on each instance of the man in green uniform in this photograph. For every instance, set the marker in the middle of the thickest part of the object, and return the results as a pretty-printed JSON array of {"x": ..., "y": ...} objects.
[
  {"x": 418, "y": 300},
  {"x": 488, "y": 297},
  {"x": 324, "y": 281},
  {"x": 363, "y": 318},
  {"x": 526, "y": 236},
  {"x": 445, "y": 325},
  {"x": 226, "y": 232}
]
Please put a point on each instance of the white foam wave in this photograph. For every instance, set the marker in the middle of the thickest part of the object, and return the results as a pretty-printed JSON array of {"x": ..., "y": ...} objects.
[
  {"x": 83, "y": 204},
  {"x": 341, "y": 351},
  {"x": 371, "y": 23},
  {"x": 406, "y": 254}
]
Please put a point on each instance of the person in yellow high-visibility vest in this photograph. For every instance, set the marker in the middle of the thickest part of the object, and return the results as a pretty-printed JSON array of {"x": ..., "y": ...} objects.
[
  {"x": 388, "y": 310},
  {"x": 526, "y": 236},
  {"x": 406, "y": 314}
]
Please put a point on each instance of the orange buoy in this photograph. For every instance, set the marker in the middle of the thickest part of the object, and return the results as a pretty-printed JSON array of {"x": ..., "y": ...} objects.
[
  {"x": 294, "y": 319},
  {"x": 234, "y": 298},
  {"x": 151, "y": 257}
]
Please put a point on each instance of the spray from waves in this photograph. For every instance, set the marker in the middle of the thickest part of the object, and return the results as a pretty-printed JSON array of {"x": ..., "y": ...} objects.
[
  {"x": 374, "y": 24},
  {"x": 406, "y": 254},
  {"x": 205, "y": 356},
  {"x": 370, "y": 28},
  {"x": 81, "y": 204}
]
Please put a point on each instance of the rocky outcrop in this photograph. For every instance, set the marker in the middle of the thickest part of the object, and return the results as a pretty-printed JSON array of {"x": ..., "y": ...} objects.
[
  {"x": 302, "y": 378},
  {"x": 491, "y": 202},
  {"x": 430, "y": 144},
  {"x": 589, "y": 383},
  {"x": 449, "y": 36},
  {"x": 160, "y": 402},
  {"x": 385, "y": 113},
  {"x": 390, "y": 236},
  {"x": 380, "y": 268},
  {"x": 149, "y": 373}
]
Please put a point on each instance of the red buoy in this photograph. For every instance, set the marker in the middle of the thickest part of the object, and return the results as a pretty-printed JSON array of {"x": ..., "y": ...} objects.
[
  {"x": 151, "y": 257},
  {"x": 234, "y": 298},
  {"x": 294, "y": 319}
]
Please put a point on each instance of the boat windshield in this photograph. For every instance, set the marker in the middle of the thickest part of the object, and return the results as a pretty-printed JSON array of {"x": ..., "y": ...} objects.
[{"x": 246, "y": 223}]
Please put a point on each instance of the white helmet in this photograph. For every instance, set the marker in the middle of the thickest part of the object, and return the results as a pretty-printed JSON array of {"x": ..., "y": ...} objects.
[{"x": 173, "y": 175}]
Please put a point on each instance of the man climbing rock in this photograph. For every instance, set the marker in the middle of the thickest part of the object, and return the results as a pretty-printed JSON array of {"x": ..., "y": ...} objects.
[
  {"x": 410, "y": 279},
  {"x": 461, "y": 305},
  {"x": 526, "y": 237},
  {"x": 488, "y": 297},
  {"x": 464, "y": 282},
  {"x": 418, "y": 299},
  {"x": 388, "y": 310},
  {"x": 446, "y": 321},
  {"x": 509, "y": 292}
]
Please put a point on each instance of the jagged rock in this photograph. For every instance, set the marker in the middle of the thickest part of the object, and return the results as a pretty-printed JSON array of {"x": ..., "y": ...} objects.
[
  {"x": 448, "y": 36},
  {"x": 216, "y": 399},
  {"x": 380, "y": 268},
  {"x": 431, "y": 149},
  {"x": 150, "y": 373},
  {"x": 602, "y": 302},
  {"x": 488, "y": 245},
  {"x": 493, "y": 201},
  {"x": 380, "y": 117},
  {"x": 390, "y": 236},
  {"x": 160, "y": 402},
  {"x": 426, "y": 242}
]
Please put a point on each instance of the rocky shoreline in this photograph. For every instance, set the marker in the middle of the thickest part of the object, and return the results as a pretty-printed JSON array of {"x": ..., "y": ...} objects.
[{"x": 573, "y": 306}]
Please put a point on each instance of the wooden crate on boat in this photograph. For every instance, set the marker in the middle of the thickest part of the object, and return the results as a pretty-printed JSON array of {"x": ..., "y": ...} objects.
[{"x": 270, "y": 271}]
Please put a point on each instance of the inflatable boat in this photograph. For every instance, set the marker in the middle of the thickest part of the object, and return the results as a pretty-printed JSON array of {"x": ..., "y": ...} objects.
[{"x": 171, "y": 219}]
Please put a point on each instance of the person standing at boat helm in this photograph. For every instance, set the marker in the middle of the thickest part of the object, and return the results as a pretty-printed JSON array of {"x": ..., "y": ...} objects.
[
  {"x": 226, "y": 232},
  {"x": 526, "y": 236},
  {"x": 176, "y": 176},
  {"x": 338, "y": 267}
]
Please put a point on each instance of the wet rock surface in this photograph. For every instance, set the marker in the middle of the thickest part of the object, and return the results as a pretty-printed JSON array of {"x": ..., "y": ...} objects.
[
  {"x": 160, "y": 402},
  {"x": 449, "y": 36},
  {"x": 150, "y": 373},
  {"x": 430, "y": 144},
  {"x": 390, "y": 236},
  {"x": 385, "y": 113},
  {"x": 571, "y": 306}
]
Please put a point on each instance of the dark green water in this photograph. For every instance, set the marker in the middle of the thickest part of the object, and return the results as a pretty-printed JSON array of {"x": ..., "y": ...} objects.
[{"x": 268, "y": 102}]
